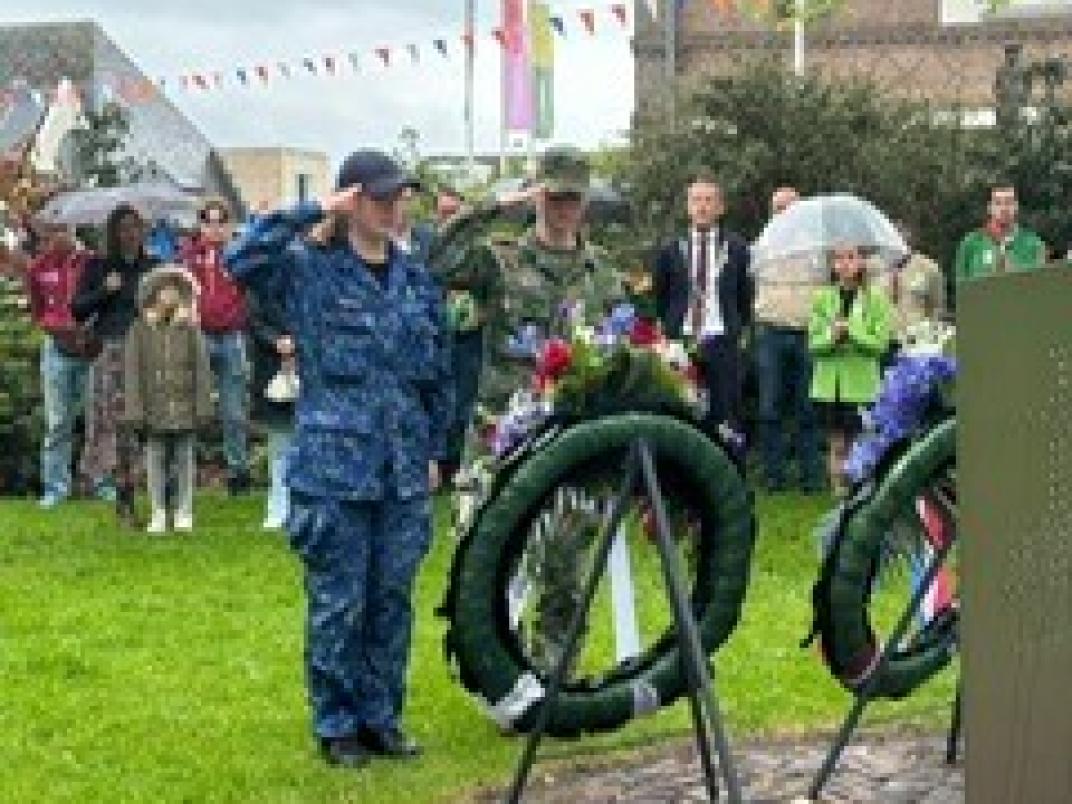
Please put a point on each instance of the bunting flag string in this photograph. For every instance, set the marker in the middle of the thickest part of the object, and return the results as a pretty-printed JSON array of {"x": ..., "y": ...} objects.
[
  {"x": 261, "y": 73},
  {"x": 588, "y": 17}
]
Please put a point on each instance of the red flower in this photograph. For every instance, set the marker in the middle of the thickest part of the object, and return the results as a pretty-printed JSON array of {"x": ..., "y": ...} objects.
[
  {"x": 555, "y": 359},
  {"x": 645, "y": 333}
]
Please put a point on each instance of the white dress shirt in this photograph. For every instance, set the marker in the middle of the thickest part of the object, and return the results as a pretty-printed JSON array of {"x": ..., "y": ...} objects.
[{"x": 712, "y": 307}]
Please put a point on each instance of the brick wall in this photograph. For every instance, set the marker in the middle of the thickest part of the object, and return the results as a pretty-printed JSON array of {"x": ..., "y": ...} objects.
[{"x": 902, "y": 44}]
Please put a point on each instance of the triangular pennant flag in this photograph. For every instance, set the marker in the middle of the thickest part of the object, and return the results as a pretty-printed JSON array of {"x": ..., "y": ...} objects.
[
  {"x": 161, "y": 82},
  {"x": 284, "y": 69},
  {"x": 559, "y": 25},
  {"x": 184, "y": 83},
  {"x": 414, "y": 53},
  {"x": 217, "y": 79},
  {"x": 329, "y": 64},
  {"x": 310, "y": 65},
  {"x": 588, "y": 17},
  {"x": 262, "y": 73},
  {"x": 355, "y": 61},
  {"x": 499, "y": 35},
  {"x": 200, "y": 81},
  {"x": 469, "y": 40},
  {"x": 385, "y": 55},
  {"x": 618, "y": 10},
  {"x": 243, "y": 76},
  {"x": 441, "y": 46}
]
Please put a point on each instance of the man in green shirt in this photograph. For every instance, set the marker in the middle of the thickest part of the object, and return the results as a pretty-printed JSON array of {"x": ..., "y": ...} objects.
[{"x": 1001, "y": 245}]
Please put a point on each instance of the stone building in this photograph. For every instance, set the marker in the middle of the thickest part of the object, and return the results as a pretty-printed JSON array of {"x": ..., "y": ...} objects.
[
  {"x": 41, "y": 55},
  {"x": 275, "y": 177},
  {"x": 945, "y": 51}
]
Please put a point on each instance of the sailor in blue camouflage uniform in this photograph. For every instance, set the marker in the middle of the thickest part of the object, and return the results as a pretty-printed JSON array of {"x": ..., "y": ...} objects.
[{"x": 370, "y": 334}]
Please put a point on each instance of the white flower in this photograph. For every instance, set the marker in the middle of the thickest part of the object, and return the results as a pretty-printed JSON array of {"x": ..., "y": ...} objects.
[{"x": 673, "y": 353}]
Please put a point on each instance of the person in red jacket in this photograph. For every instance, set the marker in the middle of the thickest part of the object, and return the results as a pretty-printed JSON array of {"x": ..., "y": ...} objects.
[
  {"x": 223, "y": 317},
  {"x": 51, "y": 279}
]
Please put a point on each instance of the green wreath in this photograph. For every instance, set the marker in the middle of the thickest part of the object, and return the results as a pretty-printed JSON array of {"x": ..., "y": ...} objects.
[
  {"x": 480, "y": 637},
  {"x": 842, "y": 595}
]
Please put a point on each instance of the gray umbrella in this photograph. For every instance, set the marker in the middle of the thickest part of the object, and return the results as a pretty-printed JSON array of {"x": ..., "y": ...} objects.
[
  {"x": 153, "y": 199},
  {"x": 20, "y": 120},
  {"x": 805, "y": 233}
]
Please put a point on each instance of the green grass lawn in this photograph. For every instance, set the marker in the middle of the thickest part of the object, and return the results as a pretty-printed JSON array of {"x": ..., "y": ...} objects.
[{"x": 143, "y": 669}]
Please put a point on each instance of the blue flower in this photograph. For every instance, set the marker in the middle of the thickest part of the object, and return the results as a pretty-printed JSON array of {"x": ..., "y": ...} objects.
[
  {"x": 526, "y": 343},
  {"x": 897, "y": 413}
]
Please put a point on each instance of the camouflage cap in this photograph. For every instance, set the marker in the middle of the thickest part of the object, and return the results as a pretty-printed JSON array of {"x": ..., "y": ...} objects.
[{"x": 563, "y": 169}]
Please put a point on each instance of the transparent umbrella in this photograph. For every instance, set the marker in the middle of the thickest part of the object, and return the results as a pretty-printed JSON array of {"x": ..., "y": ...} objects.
[
  {"x": 793, "y": 246},
  {"x": 153, "y": 199}
]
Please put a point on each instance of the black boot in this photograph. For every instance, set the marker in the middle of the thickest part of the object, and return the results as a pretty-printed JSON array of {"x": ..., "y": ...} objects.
[
  {"x": 392, "y": 742},
  {"x": 238, "y": 485},
  {"x": 346, "y": 752},
  {"x": 124, "y": 510}
]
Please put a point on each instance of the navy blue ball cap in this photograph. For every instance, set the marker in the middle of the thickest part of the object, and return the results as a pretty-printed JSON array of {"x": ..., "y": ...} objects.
[{"x": 377, "y": 173}]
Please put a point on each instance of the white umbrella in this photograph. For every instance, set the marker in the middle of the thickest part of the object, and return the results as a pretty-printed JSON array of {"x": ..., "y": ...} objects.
[
  {"x": 153, "y": 199},
  {"x": 809, "y": 229}
]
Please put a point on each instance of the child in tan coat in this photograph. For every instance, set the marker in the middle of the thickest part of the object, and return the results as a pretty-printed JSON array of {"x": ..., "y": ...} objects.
[{"x": 168, "y": 388}]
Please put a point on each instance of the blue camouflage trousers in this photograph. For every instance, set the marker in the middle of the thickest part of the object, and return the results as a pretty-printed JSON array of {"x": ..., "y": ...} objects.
[{"x": 360, "y": 560}]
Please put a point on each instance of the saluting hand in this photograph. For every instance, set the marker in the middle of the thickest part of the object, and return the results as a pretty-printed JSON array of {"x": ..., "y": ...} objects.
[
  {"x": 341, "y": 202},
  {"x": 113, "y": 282}
]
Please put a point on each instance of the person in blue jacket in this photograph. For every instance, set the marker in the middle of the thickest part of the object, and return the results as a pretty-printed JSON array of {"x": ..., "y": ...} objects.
[{"x": 369, "y": 330}]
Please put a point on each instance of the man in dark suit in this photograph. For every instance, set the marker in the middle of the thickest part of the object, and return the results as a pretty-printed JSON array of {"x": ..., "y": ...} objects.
[{"x": 704, "y": 294}]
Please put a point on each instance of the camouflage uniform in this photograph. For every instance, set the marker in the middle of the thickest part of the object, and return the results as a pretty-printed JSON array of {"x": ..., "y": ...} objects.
[
  {"x": 553, "y": 291},
  {"x": 373, "y": 411},
  {"x": 472, "y": 282}
]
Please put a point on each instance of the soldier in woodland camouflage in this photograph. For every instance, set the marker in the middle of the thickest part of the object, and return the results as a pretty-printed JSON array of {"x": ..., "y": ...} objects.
[{"x": 552, "y": 281}]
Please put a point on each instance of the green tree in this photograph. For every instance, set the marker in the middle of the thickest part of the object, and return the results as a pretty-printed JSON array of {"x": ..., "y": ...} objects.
[
  {"x": 99, "y": 146},
  {"x": 760, "y": 128}
]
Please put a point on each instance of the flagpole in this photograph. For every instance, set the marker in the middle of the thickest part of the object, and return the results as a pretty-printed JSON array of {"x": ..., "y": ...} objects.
[
  {"x": 505, "y": 94},
  {"x": 670, "y": 44},
  {"x": 470, "y": 48},
  {"x": 798, "y": 39}
]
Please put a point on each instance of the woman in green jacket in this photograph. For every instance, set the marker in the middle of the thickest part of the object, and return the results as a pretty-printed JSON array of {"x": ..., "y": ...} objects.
[{"x": 848, "y": 334}]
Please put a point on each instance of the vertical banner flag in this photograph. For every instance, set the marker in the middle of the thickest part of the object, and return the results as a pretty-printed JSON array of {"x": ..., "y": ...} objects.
[
  {"x": 517, "y": 67},
  {"x": 543, "y": 70}
]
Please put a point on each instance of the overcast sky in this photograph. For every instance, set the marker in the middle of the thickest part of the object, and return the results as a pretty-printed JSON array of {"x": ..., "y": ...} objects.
[{"x": 594, "y": 82}]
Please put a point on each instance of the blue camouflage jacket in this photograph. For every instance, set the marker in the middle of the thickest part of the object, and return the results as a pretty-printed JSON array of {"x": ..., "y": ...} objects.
[{"x": 373, "y": 360}]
